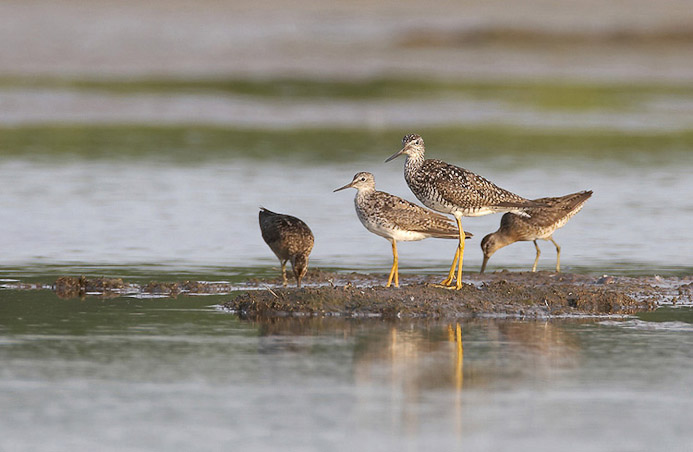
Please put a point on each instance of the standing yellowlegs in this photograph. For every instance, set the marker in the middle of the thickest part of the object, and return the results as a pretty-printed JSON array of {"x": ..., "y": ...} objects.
[
  {"x": 541, "y": 225},
  {"x": 396, "y": 219},
  {"x": 290, "y": 239},
  {"x": 454, "y": 190}
]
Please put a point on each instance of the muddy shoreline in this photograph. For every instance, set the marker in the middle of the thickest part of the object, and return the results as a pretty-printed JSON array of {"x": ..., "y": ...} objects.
[{"x": 499, "y": 294}]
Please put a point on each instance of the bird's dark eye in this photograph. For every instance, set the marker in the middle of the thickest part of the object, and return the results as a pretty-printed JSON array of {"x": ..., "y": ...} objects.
[{"x": 363, "y": 179}]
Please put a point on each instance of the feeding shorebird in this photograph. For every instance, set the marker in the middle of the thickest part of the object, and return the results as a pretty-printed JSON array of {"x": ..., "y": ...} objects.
[
  {"x": 290, "y": 239},
  {"x": 453, "y": 190},
  {"x": 541, "y": 225},
  {"x": 396, "y": 219}
]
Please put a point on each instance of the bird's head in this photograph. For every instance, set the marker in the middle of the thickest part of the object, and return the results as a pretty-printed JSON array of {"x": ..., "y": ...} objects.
[
  {"x": 412, "y": 145},
  {"x": 299, "y": 264},
  {"x": 489, "y": 245},
  {"x": 361, "y": 181}
]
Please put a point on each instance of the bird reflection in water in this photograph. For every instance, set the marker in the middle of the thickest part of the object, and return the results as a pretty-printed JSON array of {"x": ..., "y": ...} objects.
[
  {"x": 455, "y": 337},
  {"x": 396, "y": 368}
]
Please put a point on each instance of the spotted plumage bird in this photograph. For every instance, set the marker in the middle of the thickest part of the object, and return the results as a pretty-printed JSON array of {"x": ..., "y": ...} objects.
[
  {"x": 396, "y": 219},
  {"x": 453, "y": 190},
  {"x": 290, "y": 239},
  {"x": 542, "y": 223}
]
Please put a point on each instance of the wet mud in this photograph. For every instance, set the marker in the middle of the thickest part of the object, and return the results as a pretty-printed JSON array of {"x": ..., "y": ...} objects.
[
  {"x": 533, "y": 295},
  {"x": 499, "y": 294}
]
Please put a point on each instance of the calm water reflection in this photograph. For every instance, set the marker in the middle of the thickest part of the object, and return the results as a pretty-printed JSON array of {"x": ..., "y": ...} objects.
[{"x": 126, "y": 374}]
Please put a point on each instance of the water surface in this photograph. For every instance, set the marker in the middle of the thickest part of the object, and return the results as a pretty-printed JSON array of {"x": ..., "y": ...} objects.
[
  {"x": 199, "y": 215},
  {"x": 178, "y": 374}
]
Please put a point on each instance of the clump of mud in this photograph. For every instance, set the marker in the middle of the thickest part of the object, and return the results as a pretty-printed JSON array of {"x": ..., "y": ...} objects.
[
  {"x": 502, "y": 298},
  {"x": 317, "y": 276},
  {"x": 71, "y": 287}
]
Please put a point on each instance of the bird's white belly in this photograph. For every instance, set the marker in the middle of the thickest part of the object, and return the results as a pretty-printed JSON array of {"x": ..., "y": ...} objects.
[
  {"x": 450, "y": 209},
  {"x": 436, "y": 205},
  {"x": 477, "y": 212},
  {"x": 443, "y": 206},
  {"x": 396, "y": 234}
]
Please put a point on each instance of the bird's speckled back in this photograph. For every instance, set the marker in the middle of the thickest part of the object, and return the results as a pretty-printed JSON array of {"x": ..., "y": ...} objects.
[{"x": 286, "y": 235}]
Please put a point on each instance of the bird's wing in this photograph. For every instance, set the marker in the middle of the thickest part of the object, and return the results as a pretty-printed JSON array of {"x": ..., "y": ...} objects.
[
  {"x": 411, "y": 217},
  {"x": 560, "y": 208},
  {"x": 460, "y": 186}
]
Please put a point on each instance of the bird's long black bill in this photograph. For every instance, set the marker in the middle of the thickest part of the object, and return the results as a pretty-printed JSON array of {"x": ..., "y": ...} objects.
[
  {"x": 342, "y": 188},
  {"x": 483, "y": 264},
  {"x": 395, "y": 155}
]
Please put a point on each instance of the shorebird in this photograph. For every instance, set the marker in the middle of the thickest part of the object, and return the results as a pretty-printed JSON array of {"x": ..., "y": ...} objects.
[
  {"x": 453, "y": 190},
  {"x": 396, "y": 219},
  {"x": 541, "y": 225},
  {"x": 290, "y": 239}
]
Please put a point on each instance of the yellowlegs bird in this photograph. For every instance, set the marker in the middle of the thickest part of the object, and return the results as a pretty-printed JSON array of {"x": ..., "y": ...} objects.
[
  {"x": 454, "y": 190},
  {"x": 290, "y": 239},
  {"x": 396, "y": 219},
  {"x": 541, "y": 225}
]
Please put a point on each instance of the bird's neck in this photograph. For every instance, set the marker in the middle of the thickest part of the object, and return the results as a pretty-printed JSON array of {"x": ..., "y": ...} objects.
[
  {"x": 363, "y": 194},
  {"x": 503, "y": 239},
  {"x": 412, "y": 165}
]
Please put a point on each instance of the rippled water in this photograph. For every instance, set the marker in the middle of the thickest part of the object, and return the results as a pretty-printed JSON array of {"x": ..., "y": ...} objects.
[{"x": 127, "y": 374}]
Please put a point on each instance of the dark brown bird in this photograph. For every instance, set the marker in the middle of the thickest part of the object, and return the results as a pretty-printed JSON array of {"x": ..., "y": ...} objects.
[
  {"x": 394, "y": 218},
  {"x": 290, "y": 239},
  {"x": 453, "y": 190},
  {"x": 541, "y": 225}
]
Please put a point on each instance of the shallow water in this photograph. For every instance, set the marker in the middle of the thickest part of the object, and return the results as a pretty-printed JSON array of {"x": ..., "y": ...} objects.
[
  {"x": 201, "y": 217},
  {"x": 179, "y": 374}
]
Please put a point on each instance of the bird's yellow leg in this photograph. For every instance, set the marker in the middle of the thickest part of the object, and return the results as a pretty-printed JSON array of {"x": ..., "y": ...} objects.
[
  {"x": 458, "y": 286},
  {"x": 285, "y": 281},
  {"x": 558, "y": 255},
  {"x": 536, "y": 259},
  {"x": 395, "y": 265},
  {"x": 394, "y": 248},
  {"x": 451, "y": 276}
]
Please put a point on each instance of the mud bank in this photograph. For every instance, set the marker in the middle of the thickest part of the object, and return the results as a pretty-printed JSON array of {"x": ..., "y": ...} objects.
[
  {"x": 513, "y": 294},
  {"x": 499, "y": 297}
]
